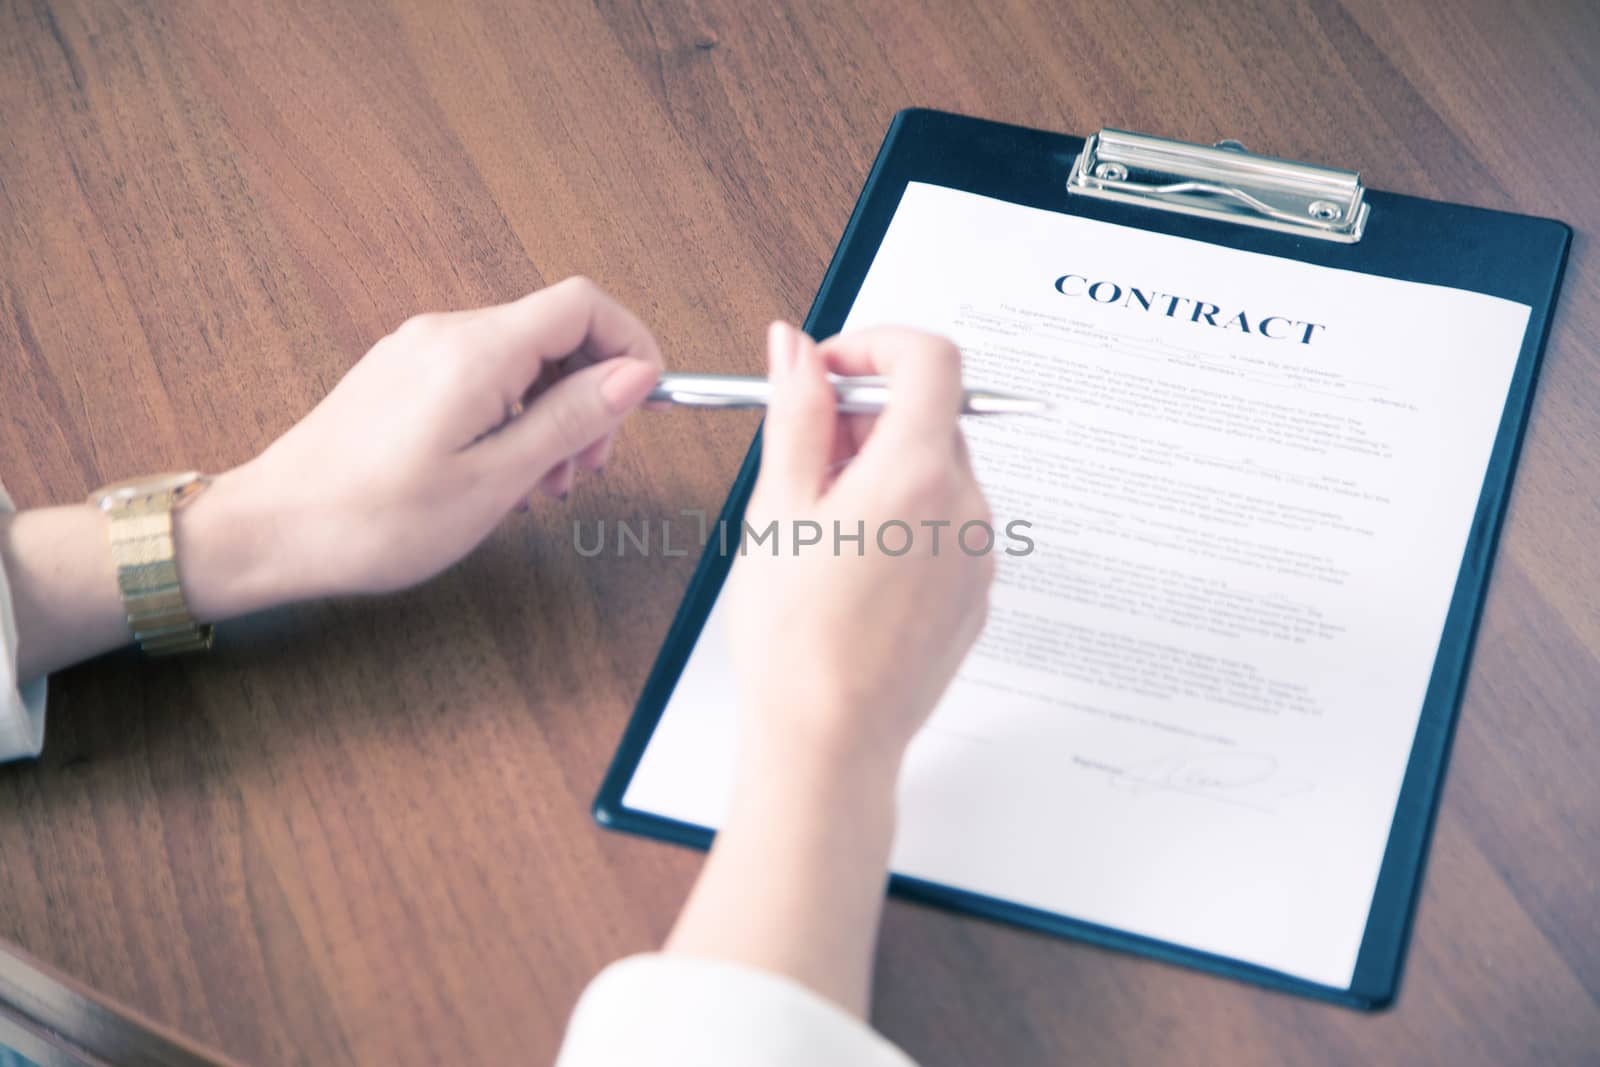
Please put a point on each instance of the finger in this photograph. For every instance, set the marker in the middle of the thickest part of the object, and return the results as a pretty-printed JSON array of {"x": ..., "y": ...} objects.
[
  {"x": 855, "y": 429},
  {"x": 849, "y": 433},
  {"x": 797, "y": 437},
  {"x": 558, "y": 482},
  {"x": 566, "y": 419},
  {"x": 573, "y": 318},
  {"x": 923, "y": 372},
  {"x": 963, "y": 456},
  {"x": 595, "y": 456}
]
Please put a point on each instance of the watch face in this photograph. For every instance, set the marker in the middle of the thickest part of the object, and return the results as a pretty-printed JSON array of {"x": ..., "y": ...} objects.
[{"x": 148, "y": 485}]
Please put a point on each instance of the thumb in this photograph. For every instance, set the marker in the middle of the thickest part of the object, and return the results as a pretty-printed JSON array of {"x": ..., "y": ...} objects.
[
  {"x": 570, "y": 415},
  {"x": 797, "y": 438}
]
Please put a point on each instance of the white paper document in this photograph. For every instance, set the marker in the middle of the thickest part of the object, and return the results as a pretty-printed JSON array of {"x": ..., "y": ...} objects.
[{"x": 1191, "y": 709}]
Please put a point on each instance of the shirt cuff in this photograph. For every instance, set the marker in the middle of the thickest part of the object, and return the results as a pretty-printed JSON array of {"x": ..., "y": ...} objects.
[
  {"x": 658, "y": 1010},
  {"x": 22, "y": 721},
  {"x": 21, "y": 707}
]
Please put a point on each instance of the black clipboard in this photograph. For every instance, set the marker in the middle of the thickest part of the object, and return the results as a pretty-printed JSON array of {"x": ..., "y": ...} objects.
[{"x": 1223, "y": 196}]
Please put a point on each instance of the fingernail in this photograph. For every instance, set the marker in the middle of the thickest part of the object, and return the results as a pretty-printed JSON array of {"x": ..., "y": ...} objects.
[{"x": 626, "y": 385}]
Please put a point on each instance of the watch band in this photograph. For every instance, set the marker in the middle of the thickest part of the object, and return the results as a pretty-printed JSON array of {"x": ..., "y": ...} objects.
[{"x": 145, "y": 556}]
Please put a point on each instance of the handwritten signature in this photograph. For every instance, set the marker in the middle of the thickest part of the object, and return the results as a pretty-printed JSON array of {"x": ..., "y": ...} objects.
[{"x": 1245, "y": 779}]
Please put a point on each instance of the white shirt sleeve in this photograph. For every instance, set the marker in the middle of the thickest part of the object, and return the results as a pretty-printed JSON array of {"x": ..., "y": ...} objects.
[
  {"x": 663, "y": 1010},
  {"x": 21, "y": 707}
]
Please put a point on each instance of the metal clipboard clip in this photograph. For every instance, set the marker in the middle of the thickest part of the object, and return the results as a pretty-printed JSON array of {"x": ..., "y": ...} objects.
[{"x": 1223, "y": 182}]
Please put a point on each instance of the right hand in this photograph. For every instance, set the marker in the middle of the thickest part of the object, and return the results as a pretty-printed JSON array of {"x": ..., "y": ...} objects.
[{"x": 842, "y": 654}]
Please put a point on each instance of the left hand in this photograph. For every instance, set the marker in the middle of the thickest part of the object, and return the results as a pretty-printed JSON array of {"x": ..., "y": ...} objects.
[{"x": 419, "y": 452}]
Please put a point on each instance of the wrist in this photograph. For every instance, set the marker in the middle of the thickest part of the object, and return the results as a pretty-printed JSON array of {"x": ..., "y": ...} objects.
[
  {"x": 810, "y": 759},
  {"x": 229, "y": 562}
]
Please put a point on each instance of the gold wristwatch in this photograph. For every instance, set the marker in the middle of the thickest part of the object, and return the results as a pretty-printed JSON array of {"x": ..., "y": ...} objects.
[{"x": 140, "y": 511}]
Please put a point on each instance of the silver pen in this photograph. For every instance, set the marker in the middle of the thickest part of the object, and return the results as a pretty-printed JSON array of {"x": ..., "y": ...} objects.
[{"x": 857, "y": 396}]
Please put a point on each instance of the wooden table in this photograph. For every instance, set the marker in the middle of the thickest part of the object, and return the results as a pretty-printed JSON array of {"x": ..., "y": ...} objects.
[{"x": 359, "y": 832}]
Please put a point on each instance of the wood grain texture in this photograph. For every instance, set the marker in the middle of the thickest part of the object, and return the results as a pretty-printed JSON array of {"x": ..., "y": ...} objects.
[{"x": 359, "y": 832}]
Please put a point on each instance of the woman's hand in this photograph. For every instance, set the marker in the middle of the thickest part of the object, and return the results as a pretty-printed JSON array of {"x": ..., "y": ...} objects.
[
  {"x": 404, "y": 468},
  {"x": 844, "y": 646},
  {"x": 424, "y": 446}
]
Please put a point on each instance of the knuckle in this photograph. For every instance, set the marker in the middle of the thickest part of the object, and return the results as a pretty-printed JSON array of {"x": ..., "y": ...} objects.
[
  {"x": 419, "y": 327},
  {"x": 563, "y": 426},
  {"x": 579, "y": 285},
  {"x": 569, "y": 429}
]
